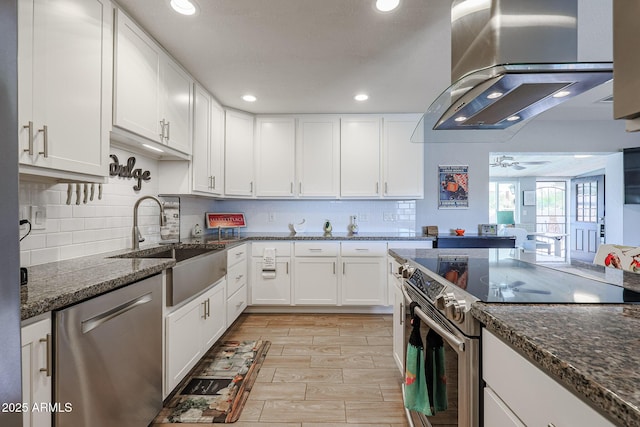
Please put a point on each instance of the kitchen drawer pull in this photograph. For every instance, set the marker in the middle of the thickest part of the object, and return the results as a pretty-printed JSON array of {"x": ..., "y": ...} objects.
[
  {"x": 239, "y": 254},
  {"x": 551, "y": 425},
  {"x": 362, "y": 249},
  {"x": 315, "y": 249},
  {"x": 92, "y": 323},
  {"x": 47, "y": 368},
  {"x": 239, "y": 277},
  {"x": 45, "y": 141},
  {"x": 30, "y": 148},
  {"x": 240, "y": 304},
  {"x": 334, "y": 268}
]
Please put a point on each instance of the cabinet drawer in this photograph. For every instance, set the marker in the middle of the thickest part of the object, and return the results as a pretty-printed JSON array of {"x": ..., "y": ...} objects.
[
  {"x": 282, "y": 248},
  {"x": 236, "y": 254},
  {"x": 364, "y": 248},
  {"x": 505, "y": 371},
  {"x": 236, "y": 305},
  {"x": 236, "y": 277},
  {"x": 316, "y": 249}
]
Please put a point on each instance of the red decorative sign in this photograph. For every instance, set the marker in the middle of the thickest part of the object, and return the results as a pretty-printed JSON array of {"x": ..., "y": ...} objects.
[{"x": 225, "y": 220}]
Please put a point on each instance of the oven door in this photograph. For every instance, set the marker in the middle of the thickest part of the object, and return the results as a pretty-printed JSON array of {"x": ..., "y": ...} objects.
[{"x": 461, "y": 366}]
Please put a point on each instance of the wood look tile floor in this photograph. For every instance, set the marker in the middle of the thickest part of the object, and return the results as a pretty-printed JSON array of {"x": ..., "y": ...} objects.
[{"x": 322, "y": 370}]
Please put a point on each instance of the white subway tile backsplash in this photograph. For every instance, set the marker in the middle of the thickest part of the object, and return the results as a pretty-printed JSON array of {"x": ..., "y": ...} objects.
[
  {"x": 59, "y": 211},
  {"x": 71, "y": 224},
  {"x": 59, "y": 239},
  {"x": 95, "y": 223},
  {"x": 43, "y": 256}
]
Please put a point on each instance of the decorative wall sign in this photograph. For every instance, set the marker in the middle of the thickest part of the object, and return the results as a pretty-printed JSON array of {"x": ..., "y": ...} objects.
[
  {"x": 225, "y": 220},
  {"x": 128, "y": 171},
  {"x": 454, "y": 187},
  {"x": 529, "y": 198}
]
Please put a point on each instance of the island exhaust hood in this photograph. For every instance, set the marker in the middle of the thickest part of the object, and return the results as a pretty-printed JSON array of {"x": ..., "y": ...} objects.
[{"x": 510, "y": 61}]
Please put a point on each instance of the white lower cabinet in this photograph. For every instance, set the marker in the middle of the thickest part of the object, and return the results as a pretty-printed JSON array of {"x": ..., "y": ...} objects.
[
  {"x": 36, "y": 372},
  {"x": 191, "y": 330},
  {"x": 364, "y": 273},
  {"x": 397, "y": 300},
  {"x": 267, "y": 287},
  {"x": 237, "y": 297},
  {"x": 518, "y": 393},
  {"x": 316, "y": 273}
]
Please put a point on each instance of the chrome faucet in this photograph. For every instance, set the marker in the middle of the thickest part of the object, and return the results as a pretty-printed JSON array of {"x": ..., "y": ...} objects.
[{"x": 135, "y": 236}]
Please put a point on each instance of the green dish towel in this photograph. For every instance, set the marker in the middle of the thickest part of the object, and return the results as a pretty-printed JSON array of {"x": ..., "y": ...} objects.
[
  {"x": 416, "y": 396},
  {"x": 435, "y": 371}
]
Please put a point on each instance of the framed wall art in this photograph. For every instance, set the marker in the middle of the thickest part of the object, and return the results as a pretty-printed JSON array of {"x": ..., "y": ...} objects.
[
  {"x": 454, "y": 187},
  {"x": 529, "y": 198}
]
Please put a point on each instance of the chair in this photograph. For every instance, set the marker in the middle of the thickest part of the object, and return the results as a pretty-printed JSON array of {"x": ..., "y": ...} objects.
[{"x": 521, "y": 238}]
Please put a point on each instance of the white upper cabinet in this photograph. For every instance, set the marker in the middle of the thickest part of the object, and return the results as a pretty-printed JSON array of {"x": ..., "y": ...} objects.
[
  {"x": 403, "y": 160},
  {"x": 360, "y": 157},
  {"x": 318, "y": 156},
  {"x": 208, "y": 144},
  {"x": 153, "y": 94},
  {"x": 239, "y": 166},
  {"x": 275, "y": 156},
  {"x": 64, "y": 86}
]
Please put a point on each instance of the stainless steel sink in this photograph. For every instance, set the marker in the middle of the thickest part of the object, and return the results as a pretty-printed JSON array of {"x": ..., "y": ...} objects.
[{"x": 196, "y": 269}]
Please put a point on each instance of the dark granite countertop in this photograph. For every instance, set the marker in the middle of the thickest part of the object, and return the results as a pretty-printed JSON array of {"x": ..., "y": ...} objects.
[
  {"x": 593, "y": 350},
  {"x": 244, "y": 236}
]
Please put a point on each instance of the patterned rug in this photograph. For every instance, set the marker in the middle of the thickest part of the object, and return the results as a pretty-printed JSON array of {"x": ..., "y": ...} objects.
[{"x": 219, "y": 386}]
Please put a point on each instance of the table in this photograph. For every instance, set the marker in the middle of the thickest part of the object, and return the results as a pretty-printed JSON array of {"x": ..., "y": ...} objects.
[{"x": 556, "y": 237}]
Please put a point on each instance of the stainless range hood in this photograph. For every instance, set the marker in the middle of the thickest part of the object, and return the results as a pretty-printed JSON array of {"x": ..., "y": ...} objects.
[{"x": 511, "y": 60}]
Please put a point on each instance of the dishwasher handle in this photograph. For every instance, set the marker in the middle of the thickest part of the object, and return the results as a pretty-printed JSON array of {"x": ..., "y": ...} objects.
[{"x": 93, "y": 322}]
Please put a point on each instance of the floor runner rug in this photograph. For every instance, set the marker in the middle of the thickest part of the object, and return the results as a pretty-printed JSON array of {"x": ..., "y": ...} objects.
[{"x": 219, "y": 386}]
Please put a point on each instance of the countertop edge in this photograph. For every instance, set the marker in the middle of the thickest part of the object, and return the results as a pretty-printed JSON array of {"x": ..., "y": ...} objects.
[{"x": 583, "y": 386}]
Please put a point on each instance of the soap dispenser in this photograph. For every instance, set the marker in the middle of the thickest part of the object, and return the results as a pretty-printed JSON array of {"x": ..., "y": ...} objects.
[
  {"x": 353, "y": 226},
  {"x": 327, "y": 227}
]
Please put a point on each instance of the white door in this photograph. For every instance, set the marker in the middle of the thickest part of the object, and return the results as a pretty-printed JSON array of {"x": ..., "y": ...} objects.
[
  {"x": 215, "y": 319},
  {"x": 238, "y": 154},
  {"x": 177, "y": 97},
  {"x": 364, "y": 281},
  {"x": 318, "y": 151},
  {"x": 316, "y": 281},
  {"x": 36, "y": 373},
  {"x": 137, "y": 81},
  {"x": 275, "y": 162},
  {"x": 183, "y": 342},
  {"x": 69, "y": 68},
  {"x": 270, "y": 290},
  {"x": 398, "y": 327},
  {"x": 360, "y": 157},
  {"x": 403, "y": 159},
  {"x": 201, "y": 141},
  {"x": 216, "y": 148}
]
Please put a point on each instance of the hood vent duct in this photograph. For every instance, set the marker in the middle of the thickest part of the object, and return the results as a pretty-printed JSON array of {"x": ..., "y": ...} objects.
[{"x": 511, "y": 60}]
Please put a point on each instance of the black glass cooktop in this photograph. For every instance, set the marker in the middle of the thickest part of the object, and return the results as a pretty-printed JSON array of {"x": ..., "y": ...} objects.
[{"x": 490, "y": 276}]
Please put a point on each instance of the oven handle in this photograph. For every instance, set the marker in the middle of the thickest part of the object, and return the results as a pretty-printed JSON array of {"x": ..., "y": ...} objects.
[{"x": 448, "y": 336}]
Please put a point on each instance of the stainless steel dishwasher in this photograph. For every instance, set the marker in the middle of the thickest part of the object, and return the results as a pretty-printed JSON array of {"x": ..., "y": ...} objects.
[{"x": 108, "y": 358}]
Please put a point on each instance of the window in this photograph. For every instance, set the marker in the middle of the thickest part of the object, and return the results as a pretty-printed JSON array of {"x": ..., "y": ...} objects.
[
  {"x": 587, "y": 201},
  {"x": 502, "y": 202},
  {"x": 551, "y": 206}
]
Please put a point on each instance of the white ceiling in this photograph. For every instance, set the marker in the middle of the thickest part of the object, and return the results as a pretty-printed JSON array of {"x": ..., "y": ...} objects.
[{"x": 309, "y": 56}]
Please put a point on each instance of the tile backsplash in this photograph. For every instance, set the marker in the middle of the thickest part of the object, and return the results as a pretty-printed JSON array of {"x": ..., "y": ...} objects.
[{"x": 73, "y": 230}]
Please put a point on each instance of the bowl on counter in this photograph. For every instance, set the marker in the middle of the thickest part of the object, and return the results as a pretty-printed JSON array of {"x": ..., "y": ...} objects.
[{"x": 459, "y": 231}]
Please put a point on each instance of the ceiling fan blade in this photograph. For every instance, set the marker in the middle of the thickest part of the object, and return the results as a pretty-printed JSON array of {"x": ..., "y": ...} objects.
[
  {"x": 542, "y": 162},
  {"x": 517, "y": 167},
  {"x": 516, "y": 283}
]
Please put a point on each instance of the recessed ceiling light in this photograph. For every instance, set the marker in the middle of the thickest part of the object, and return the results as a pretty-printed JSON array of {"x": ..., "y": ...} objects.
[
  {"x": 151, "y": 147},
  {"x": 184, "y": 7},
  {"x": 582, "y": 156},
  {"x": 561, "y": 94},
  {"x": 387, "y": 5},
  {"x": 513, "y": 118},
  {"x": 249, "y": 98},
  {"x": 494, "y": 95},
  {"x": 361, "y": 97},
  {"x": 460, "y": 119}
]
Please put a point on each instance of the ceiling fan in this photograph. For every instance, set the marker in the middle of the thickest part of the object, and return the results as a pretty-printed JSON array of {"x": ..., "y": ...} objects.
[{"x": 510, "y": 162}]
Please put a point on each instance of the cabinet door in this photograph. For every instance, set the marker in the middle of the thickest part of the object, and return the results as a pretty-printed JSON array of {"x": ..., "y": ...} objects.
[
  {"x": 236, "y": 304},
  {"x": 403, "y": 159},
  {"x": 215, "y": 321},
  {"x": 496, "y": 413},
  {"x": 318, "y": 151},
  {"x": 183, "y": 344},
  {"x": 177, "y": 92},
  {"x": 360, "y": 157},
  {"x": 364, "y": 281},
  {"x": 201, "y": 141},
  {"x": 137, "y": 81},
  {"x": 270, "y": 290},
  {"x": 275, "y": 157},
  {"x": 316, "y": 281},
  {"x": 398, "y": 327},
  {"x": 68, "y": 66},
  {"x": 238, "y": 154},
  {"x": 36, "y": 374},
  {"x": 216, "y": 149}
]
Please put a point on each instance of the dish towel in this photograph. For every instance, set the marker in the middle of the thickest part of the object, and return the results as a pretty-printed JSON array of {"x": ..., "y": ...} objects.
[
  {"x": 416, "y": 397},
  {"x": 269, "y": 263},
  {"x": 435, "y": 370}
]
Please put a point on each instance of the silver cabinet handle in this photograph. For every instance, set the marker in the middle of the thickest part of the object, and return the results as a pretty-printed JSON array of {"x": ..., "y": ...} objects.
[
  {"x": 168, "y": 131},
  {"x": 214, "y": 182},
  {"x": 551, "y": 425},
  {"x": 402, "y": 314},
  {"x": 238, "y": 305},
  {"x": 343, "y": 268},
  {"x": 30, "y": 148},
  {"x": 161, "y": 130},
  {"x": 251, "y": 187},
  {"x": 362, "y": 249},
  {"x": 300, "y": 191},
  {"x": 94, "y": 322},
  {"x": 204, "y": 309},
  {"x": 287, "y": 267},
  {"x": 291, "y": 187},
  {"x": 210, "y": 182},
  {"x": 334, "y": 268},
  {"x": 45, "y": 150},
  {"x": 239, "y": 254},
  {"x": 208, "y": 306},
  {"x": 377, "y": 187},
  {"x": 315, "y": 249},
  {"x": 47, "y": 368},
  {"x": 386, "y": 188},
  {"x": 239, "y": 277}
]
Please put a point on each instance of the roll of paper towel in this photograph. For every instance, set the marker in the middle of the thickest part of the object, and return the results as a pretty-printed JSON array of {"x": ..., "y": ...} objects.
[{"x": 269, "y": 263}]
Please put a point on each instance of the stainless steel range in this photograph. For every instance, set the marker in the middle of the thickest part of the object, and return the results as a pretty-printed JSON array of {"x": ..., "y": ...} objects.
[{"x": 446, "y": 282}]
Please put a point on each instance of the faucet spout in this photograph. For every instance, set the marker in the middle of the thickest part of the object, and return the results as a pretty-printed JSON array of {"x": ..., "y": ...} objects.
[{"x": 135, "y": 235}]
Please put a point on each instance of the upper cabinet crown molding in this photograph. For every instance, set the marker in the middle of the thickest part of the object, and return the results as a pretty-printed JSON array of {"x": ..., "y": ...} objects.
[
  {"x": 64, "y": 88},
  {"x": 153, "y": 94}
]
